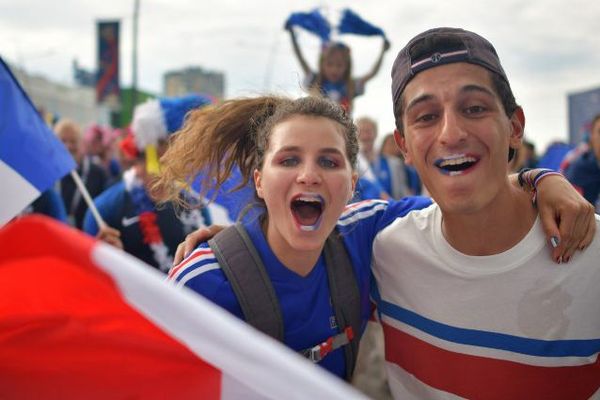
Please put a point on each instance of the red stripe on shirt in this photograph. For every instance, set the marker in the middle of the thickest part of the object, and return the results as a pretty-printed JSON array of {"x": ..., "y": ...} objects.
[
  {"x": 477, "y": 377},
  {"x": 186, "y": 262}
]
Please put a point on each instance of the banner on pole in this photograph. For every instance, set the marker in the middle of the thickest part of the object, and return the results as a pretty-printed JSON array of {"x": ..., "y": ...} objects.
[{"x": 107, "y": 83}]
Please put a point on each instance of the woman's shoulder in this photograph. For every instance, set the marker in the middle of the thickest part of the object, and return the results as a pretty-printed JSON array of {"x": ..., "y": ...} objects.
[
  {"x": 201, "y": 272},
  {"x": 379, "y": 213},
  {"x": 361, "y": 210},
  {"x": 195, "y": 266}
]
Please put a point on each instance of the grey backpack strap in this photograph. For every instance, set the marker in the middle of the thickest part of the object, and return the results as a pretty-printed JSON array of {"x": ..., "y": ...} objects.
[
  {"x": 246, "y": 272},
  {"x": 345, "y": 295}
]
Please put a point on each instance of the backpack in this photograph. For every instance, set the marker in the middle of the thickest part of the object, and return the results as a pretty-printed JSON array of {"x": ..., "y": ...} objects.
[{"x": 246, "y": 272}]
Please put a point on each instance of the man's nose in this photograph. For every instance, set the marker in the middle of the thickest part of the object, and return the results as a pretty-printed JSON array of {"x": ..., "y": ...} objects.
[{"x": 452, "y": 130}]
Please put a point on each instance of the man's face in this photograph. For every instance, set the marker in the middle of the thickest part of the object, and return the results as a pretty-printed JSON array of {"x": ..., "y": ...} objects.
[
  {"x": 595, "y": 139},
  {"x": 457, "y": 135}
]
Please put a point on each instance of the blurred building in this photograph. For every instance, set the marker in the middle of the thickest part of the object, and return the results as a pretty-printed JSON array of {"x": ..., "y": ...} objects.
[
  {"x": 61, "y": 100},
  {"x": 194, "y": 80}
]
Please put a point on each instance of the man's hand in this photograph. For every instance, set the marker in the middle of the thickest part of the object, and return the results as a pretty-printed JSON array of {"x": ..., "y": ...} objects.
[
  {"x": 193, "y": 239},
  {"x": 568, "y": 219}
]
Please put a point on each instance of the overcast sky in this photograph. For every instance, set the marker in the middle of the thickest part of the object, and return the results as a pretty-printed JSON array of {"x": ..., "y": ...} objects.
[{"x": 549, "y": 48}]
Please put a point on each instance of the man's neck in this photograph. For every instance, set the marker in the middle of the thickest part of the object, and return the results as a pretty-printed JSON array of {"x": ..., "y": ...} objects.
[{"x": 494, "y": 229}]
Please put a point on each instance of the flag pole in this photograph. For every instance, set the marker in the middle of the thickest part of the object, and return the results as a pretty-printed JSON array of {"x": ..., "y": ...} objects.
[{"x": 88, "y": 199}]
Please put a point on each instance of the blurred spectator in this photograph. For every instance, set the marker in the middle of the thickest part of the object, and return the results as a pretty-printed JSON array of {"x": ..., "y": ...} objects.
[
  {"x": 574, "y": 153},
  {"x": 333, "y": 78},
  {"x": 99, "y": 142},
  {"x": 94, "y": 178},
  {"x": 584, "y": 171},
  {"x": 529, "y": 157},
  {"x": 143, "y": 229},
  {"x": 367, "y": 134},
  {"x": 126, "y": 149},
  {"x": 524, "y": 157},
  {"x": 148, "y": 232},
  {"x": 389, "y": 148},
  {"x": 554, "y": 155},
  {"x": 407, "y": 182},
  {"x": 395, "y": 178}
]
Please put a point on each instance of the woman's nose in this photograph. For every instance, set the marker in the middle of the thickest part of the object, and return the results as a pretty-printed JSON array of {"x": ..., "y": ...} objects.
[{"x": 309, "y": 175}]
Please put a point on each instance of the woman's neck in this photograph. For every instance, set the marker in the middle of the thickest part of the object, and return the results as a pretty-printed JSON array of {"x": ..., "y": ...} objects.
[{"x": 299, "y": 261}]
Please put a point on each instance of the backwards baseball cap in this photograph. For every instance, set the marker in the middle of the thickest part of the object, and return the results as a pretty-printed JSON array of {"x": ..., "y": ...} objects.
[{"x": 441, "y": 46}]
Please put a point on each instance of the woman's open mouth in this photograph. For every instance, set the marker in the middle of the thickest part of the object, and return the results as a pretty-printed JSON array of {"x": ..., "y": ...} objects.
[{"x": 307, "y": 209}]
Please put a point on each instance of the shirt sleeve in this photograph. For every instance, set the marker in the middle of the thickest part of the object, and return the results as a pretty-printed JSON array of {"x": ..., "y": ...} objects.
[{"x": 201, "y": 272}]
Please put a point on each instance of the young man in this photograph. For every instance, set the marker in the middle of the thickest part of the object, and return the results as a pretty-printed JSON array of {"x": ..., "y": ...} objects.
[{"x": 476, "y": 308}]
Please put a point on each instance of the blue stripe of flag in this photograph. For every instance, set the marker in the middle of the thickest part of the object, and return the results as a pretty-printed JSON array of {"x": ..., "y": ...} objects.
[{"x": 27, "y": 145}]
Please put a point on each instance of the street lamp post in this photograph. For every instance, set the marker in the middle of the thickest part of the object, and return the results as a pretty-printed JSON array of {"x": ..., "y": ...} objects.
[{"x": 136, "y": 8}]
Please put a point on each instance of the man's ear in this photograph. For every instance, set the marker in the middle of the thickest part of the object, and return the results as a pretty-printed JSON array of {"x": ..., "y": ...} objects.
[
  {"x": 258, "y": 184},
  {"x": 517, "y": 122},
  {"x": 401, "y": 143}
]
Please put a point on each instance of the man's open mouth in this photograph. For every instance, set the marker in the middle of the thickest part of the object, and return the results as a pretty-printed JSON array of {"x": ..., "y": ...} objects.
[
  {"x": 307, "y": 209},
  {"x": 456, "y": 164}
]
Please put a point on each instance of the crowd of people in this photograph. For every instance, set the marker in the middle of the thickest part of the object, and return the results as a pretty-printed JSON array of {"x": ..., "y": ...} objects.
[{"x": 465, "y": 293}]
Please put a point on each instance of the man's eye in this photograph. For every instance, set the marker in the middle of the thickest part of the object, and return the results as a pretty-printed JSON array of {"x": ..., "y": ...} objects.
[
  {"x": 426, "y": 117},
  {"x": 327, "y": 162},
  {"x": 475, "y": 109}
]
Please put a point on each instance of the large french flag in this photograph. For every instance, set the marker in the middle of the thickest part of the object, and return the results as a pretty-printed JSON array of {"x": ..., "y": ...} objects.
[
  {"x": 31, "y": 156},
  {"x": 80, "y": 319}
]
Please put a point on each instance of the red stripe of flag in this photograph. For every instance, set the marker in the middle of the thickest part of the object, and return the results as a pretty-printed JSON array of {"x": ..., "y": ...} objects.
[{"x": 66, "y": 331}]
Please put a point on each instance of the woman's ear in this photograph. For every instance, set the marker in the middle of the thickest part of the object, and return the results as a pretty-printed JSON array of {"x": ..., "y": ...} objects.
[
  {"x": 354, "y": 181},
  {"x": 258, "y": 184}
]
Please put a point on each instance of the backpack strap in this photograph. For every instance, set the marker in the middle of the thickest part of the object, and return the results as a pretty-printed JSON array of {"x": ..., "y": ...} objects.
[
  {"x": 245, "y": 270},
  {"x": 250, "y": 283},
  {"x": 345, "y": 295}
]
